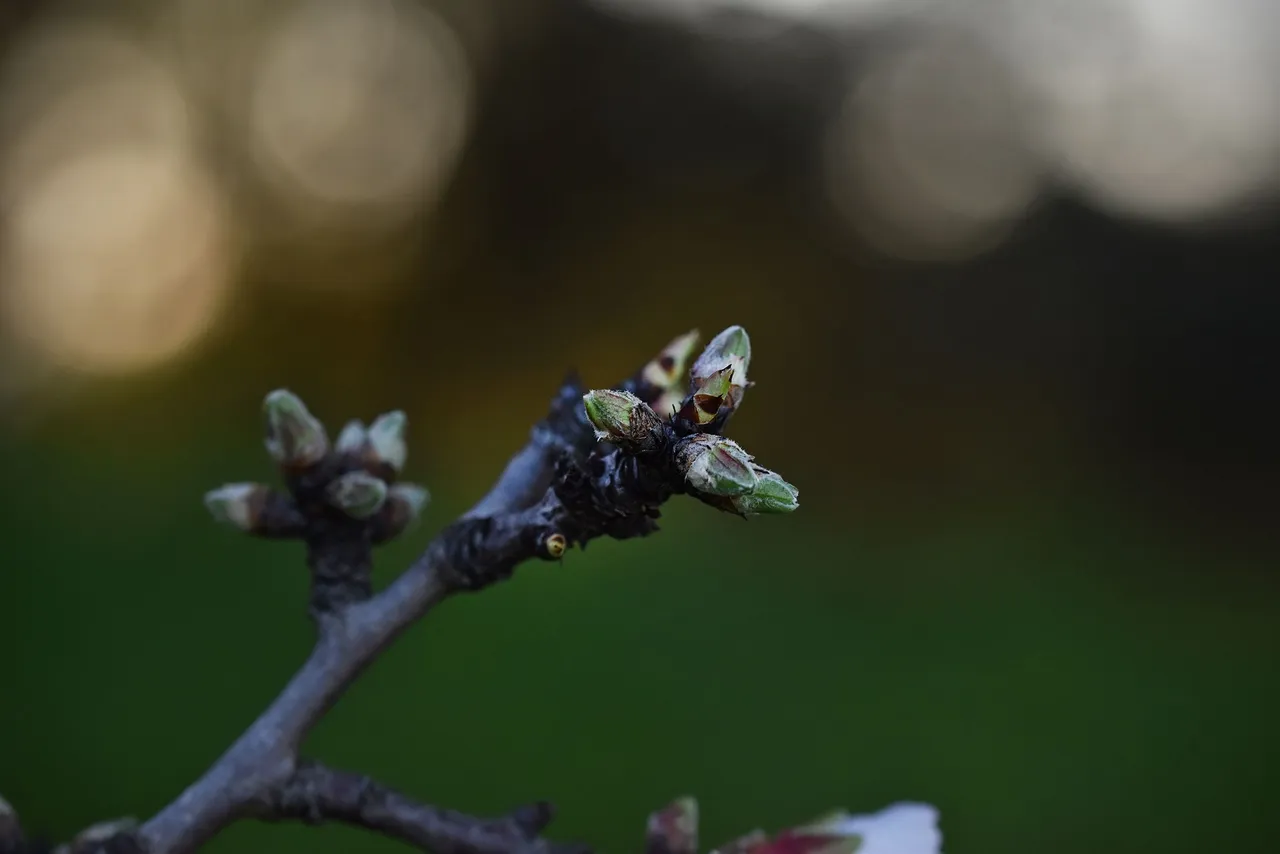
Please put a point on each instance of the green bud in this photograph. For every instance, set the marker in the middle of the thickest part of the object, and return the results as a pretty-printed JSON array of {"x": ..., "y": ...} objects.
[
  {"x": 716, "y": 466},
  {"x": 731, "y": 348},
  {"x": 674, "y": 828},
  {"x": 386, "y": 435},
  {"x": 358, "y": 494},
  {"x": 237, "y": 504},
  {"x": 771, "y": 495},
  {"x": 295, "y": 437},
  {"x": 666, "y": 369},
  {"x": 621, "y": 417},
  {"x": 352, "y": 439},
  {"x": 718, "y": 379}
]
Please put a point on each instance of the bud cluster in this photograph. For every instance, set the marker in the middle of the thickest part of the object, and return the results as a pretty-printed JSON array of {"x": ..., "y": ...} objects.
[
  {"x": 365, "y": 463},
  {"x": 718, "y": 470}
]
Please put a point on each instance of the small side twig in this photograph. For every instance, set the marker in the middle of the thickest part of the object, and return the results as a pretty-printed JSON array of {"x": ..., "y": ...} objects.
[{"x": 316, "y": 794}]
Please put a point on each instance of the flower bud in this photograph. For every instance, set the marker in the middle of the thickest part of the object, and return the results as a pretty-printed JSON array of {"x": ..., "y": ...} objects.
[
  {"x": 716, "y": 466},
  {"x": 667, "y": 368},
  {"x": 731, "y": 348},
  {"x": 352, "y": 439},
  {"x": 709, "y": 396},
  {"x": 623, "y": 418},
  {"x": 387, "y": 436},
  {"x": 674, "y": 828},
  {"x": 295, "y": 437},
  {"x": 772, "y": 494},
  {"x": 237, "y": 504},
  {"x": 358, "y": 494}
]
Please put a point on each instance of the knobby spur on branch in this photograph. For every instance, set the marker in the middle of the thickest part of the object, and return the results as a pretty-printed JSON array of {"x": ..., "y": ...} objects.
[{"x": 601, "y": 463}]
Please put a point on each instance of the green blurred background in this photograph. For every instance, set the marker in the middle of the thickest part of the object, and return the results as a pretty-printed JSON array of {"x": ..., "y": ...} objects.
[{"x": 1014, "y": 342}]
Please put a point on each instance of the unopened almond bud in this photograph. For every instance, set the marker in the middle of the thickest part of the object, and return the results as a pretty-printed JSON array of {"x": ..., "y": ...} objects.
[
  {"x": 623, "y": 418},
  {"x": 237, "y": 504},
  {"x": 295, "y": 437},
  {"x": 731, "y": 348},
  {"x": 674, "y": 828},
  {"x": 709, "y": 395},
  {"x": 772, "y": 494},
  {"x": 387, "y": 437},
  {"x": 358, "y": 494},
  {"x": 718, "y": 379},
  {"x": 716, "y": 466},
  {"x": 352, "y": 439},
  {"x": 666, "y": 369}
]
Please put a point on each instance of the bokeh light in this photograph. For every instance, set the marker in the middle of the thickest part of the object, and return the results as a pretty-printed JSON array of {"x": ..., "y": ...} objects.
[
  {"x": 1155, "y": 108},
  {"x": 928, "y": 159},
  {"x": 359, "y": 110},
  {"x": 116, "y": 247}
]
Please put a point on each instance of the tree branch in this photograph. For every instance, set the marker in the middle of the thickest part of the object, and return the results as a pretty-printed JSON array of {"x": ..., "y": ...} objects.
[{"x": 564, "y": 488}]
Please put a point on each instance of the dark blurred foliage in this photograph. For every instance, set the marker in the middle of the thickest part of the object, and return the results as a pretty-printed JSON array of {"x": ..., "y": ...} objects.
[{"x": 1032, "y": 580}]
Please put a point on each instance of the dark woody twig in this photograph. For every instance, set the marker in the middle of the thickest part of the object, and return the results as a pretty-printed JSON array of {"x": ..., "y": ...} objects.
[{"x": 316, "y": 794}]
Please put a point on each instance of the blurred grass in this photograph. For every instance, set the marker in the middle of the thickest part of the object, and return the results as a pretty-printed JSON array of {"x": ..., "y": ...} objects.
[{"x": 1016, "y": 672}]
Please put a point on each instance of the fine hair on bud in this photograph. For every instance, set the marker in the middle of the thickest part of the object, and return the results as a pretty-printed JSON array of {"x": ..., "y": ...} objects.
[
  {"x": 623, "y": 418},
  {"x": 771, "y": 494},
  {"x": 716, "y": 466}
]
